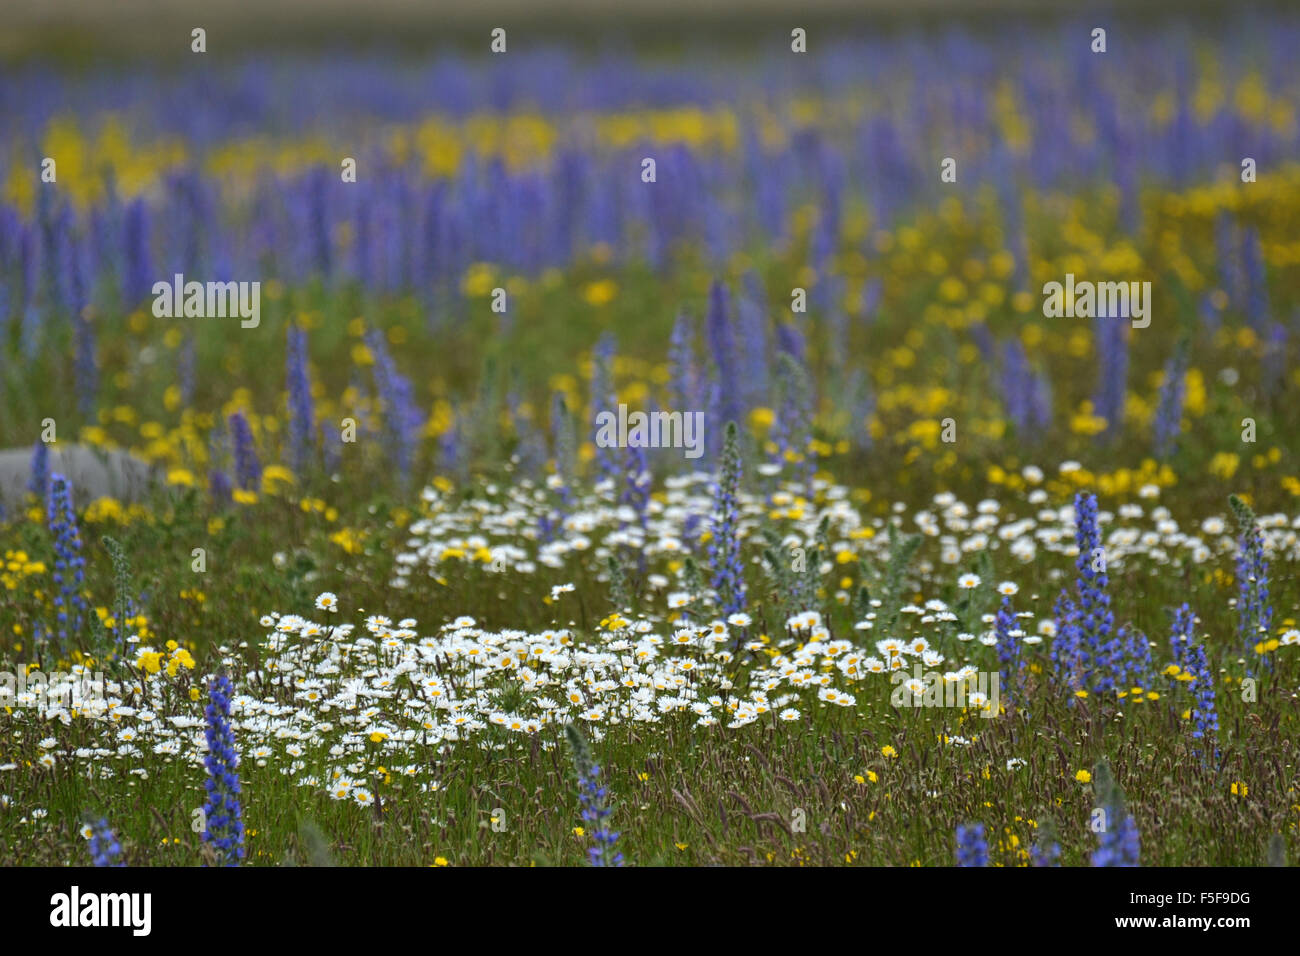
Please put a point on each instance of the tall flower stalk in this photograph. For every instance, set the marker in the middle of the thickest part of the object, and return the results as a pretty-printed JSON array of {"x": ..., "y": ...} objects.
[
  {"x": 594, "y": 798},
  {"x": 724, "y": 545},
  {"x": 223, "y": 814},
  {"x": 1205, "y": 712},
  {"x": 1112, "y": 343},
  {"x": 793, "y": 432},
  {"x": 725, "y": 404},
  {"x": 1169, "y": 405},
  {"x": 561, "y": 482},
  {"x": 1191, "y": 666},
  {"x": 1118, "y": 843},
  {"x": 39, "y": 482},
  {"x": 1086, "y": 643},
  {"x": 69, "y": 564},
  {"x": 604, "y": 397},
  {"x": 401, "y": 415},
  {"x": 248, "y": 468},
  {"x": 1254, "y": 613},
  {"x": 302, "y": 414}
]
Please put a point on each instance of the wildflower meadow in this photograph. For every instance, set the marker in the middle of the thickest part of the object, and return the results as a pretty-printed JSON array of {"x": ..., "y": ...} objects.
[{"x": 861, "y": 447}]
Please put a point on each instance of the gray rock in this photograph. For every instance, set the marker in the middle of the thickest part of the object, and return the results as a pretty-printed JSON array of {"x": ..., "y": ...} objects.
[{"x": 93, "y": 472}]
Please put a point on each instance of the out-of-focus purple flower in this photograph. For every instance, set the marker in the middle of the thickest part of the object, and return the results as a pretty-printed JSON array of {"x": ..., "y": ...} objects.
[
  {"x": 1085, "y": 648},
  {"x": 685, "y": 381},
  {"x": 1254, "y": 612},
  {"x": 219, "y": 487},
  {"x": 604, "y": 398},
  {"x": 1009, "y": 648},
  {"x": 1169, "y": 404},
  {"x": 972, "y": 846},
  {"x": 1112, "y": 374},
  {"x": 724, "y": 545},
  {"x": 105, "y": 850},
  {"x": 222, "y": 812},
  {"x": 248, "y": 467},
  {"x": 594, "y": 799},
  {"x": 402, "y": 417},
  {"x": 70, "y": 605},
  {"x": 302, "y": 413},
  {"x": 86, "y": 367},
  {"x": 137, "y": 267},
  {"x": 722, "y": 344},
  {"x": 39, "y": 482},
  {"x": 1257, "y": 301}
]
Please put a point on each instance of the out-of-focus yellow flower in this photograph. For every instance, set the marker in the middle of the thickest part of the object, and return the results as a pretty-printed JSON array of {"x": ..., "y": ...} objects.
[
  {"x": 601, "y": 292},
  {"x": 1224, "y": 464}
]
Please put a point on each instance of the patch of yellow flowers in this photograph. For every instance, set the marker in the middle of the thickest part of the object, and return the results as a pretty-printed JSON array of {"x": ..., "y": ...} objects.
[{"x": 172, "y": 660}]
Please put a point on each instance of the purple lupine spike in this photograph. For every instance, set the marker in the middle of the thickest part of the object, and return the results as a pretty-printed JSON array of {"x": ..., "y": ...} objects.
[
  {"x": 318, "y": 220},
  {"x": 862, "y": 405},
  {"x": 790, "y": 340},
  {"x": 722, "y": 346},
  {"x": 1205, "y": 711},
  {"x": 1118, "y": 843},
  {"x": 985, "y": 342},
  {"x": 222, "y": 811},
  {"x": 1112, "y": 375},
  {"x": 1069, "y": 654},
  {"x": 1257, "y": 301},
  {"x": 604, "y": 398},
  {"x": 753, "y": 343},
  {"x": 593, "y": 796},
  {"x": 1117, "y": 838},
  {"x": 402, "y": 418},
  {"x": 1096, "y": 620},
  {"x": 636, "y": 488},
  {"x": 1017, "y": 384},
  {"x": 724, "y": 545},
  {"x": 1228, "y": 258},
  {"x": 69, "y": 564},
  {"x": 1137, "y": 659},
  {"x": 1040, "y": 407},
  {"x": 219, "y": 487},
  {"x": 562, "y": 442},
  {"x": 1254, "y": 612},
  {"x": 248, "y": 467},
  {"x": 684, "y": 379},
  {"x": 1009, "y": 649},
  {"x": 86, "y": 367},
  {"x": 1182, "y": 636},
  {"x": 39, "y": 482},
  {"x": 794, "y": 422},
  {"x": 105, "y": 850},
  {"x": 302, "y": 414},
  {"x": 137, "y": 267},
  {"x": 1169, "y": 404},
  {"x": 972, "y": 846}
]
